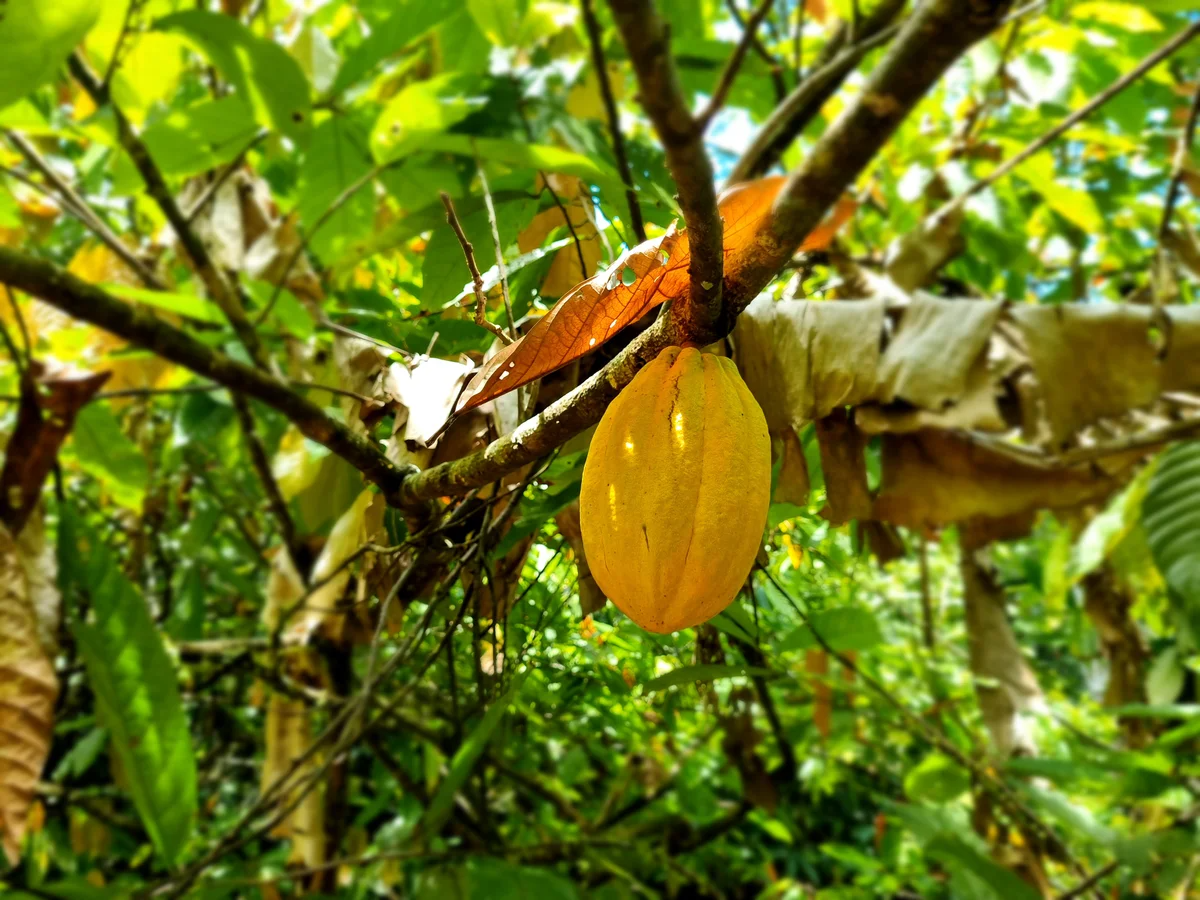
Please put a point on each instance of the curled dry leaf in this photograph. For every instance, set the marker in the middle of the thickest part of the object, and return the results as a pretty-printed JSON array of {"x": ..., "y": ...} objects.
[
  {"x": 844, "y": 466},
  {"x": 50, "y": 400},
  {"x": 28, "y": 688},
  {"x": 427, "y": 392}
]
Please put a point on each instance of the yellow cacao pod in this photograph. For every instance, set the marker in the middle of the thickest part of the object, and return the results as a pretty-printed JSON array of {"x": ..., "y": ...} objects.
[{"x": 675, "y": 491}]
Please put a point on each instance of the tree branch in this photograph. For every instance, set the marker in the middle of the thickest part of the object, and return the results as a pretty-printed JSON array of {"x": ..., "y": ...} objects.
[
  {"x": 647, "y": 38},
  {"x": 614, "y": 119},
  {"x": 734, "y": 65},
  {"x": 937, "y": 34},
  {"x": 803, "y": 104},
  {"x": 59, "y": 288}
]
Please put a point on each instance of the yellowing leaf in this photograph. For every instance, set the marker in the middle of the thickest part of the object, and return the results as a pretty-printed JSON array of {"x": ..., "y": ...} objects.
[{"x": 1126, "y": 16}]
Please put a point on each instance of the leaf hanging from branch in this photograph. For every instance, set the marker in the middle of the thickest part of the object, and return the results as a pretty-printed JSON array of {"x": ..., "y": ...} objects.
[{"x": 645, "y": 276}]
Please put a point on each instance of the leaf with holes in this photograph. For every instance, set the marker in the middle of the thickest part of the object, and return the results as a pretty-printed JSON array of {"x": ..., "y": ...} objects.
[
  {"x": 1171, "y": 516},
  {"x": 643, "y": 277}
]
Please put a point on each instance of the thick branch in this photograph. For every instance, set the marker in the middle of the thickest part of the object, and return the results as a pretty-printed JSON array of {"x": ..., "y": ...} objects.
[
  {"x": 52, "y": 284},
  {"x": 647, "y": 38},
  {"x": 802, "y": 105},
  {"x": 935, "y": 36}
]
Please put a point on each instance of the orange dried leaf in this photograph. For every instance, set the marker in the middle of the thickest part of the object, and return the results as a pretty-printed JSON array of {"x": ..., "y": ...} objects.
[
  {"x": 645, "y": 276},
  {"x": 586, "y": 316}
]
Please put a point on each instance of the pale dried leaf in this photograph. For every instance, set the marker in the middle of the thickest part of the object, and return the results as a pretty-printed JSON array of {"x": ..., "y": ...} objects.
[
  {"x": 802, "y": 360},
  {"x": 321, "y": 611},
  {"x": 427, "y": 391},
  {"x": 976, "y": 409},
  {"x": 1091, "y": 361},
  {"x": 289, "y": 733},
  {"x": 28, "y": 688},
  {"x": 937, "y": 344},
  {"x": 933, "y": 478},
  {"x": 914, "y": 258},
  {"x": 1006, "y": 686},
  {"x": 1181, "y": 366}
]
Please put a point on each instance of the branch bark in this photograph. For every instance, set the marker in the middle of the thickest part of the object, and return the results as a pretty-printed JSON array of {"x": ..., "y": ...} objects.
[
  {"x": 937, "y": 34},
  {"x": 801, "y": 106},
  {"x": 59, "y": 288},
  {"x": 647, "y": 38}
]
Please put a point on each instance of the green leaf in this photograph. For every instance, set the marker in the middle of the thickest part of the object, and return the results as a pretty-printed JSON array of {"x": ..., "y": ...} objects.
[
  {"x": 137, "y": 695},
  {"x": 957, "y": 853},
  {"x": 409, "y": 21},
  {"x": 265, "y": 76},
  {"x": 1129, "y": 17},
  {"x": 937, "y": 779},
  {"x": 843, "y": 628},
  {"x": 420, "y": 112},
  {"x": 464, "y": 761},
  {"x": 499, "y": 20},
  {"x": 1171, "y": 517},
  {"x": 689, "y": 674},
  {"x": 194, "y": 307},
  {"x": 105, "y": 453},
  {"x": 37, "y": 37},
  {"x": 202, "y": 136},
  {"x": 1074, "y": 205},
  {"x": 520, "y": 155},
  {"x": 444, "y": 268},
  {"x": 337, "y": 159}
]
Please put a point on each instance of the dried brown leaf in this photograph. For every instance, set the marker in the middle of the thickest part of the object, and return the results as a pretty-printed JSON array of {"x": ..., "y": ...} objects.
[
  {"x": 802, "y": 360},
  {"x": 28, "y": 688},
  {"x": 586, "y": 316},
  {"x": 595, "y": 310},
  {"x": 934, "y": 478},
  {"x": 50, "y": 400},
  {"x": 591, "y": 598},
  {"x": 844, "y": 466},
  {"x": 1091, "y": 361},
  {"x": 793, "y": 485}
]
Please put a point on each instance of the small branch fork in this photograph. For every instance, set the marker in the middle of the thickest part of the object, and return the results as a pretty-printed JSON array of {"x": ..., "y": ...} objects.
[{"x": 481, "y": 318}]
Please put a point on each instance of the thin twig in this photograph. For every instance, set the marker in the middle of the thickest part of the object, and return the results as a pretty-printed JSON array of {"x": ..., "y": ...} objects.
[
  {"x": 261, "y": 463},
  {"x": 583, "y": 269},
  {"x": 79, "y": 207},
  {"x": 135, "y": 6},
  {"x": 596, "y": 45},
  {"x": 1175, "y": 182},
  {"x": 1084, "y": 111},
  {"x": 224, "y": 293},
  {"x": 495, "y": 227},
  {"x": 481, "y": 318},
  {"x": 733, "y": 65}
]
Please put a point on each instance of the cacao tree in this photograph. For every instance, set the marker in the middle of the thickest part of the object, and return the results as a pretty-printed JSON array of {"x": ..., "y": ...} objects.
[{"x": 356, "y": 354}]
